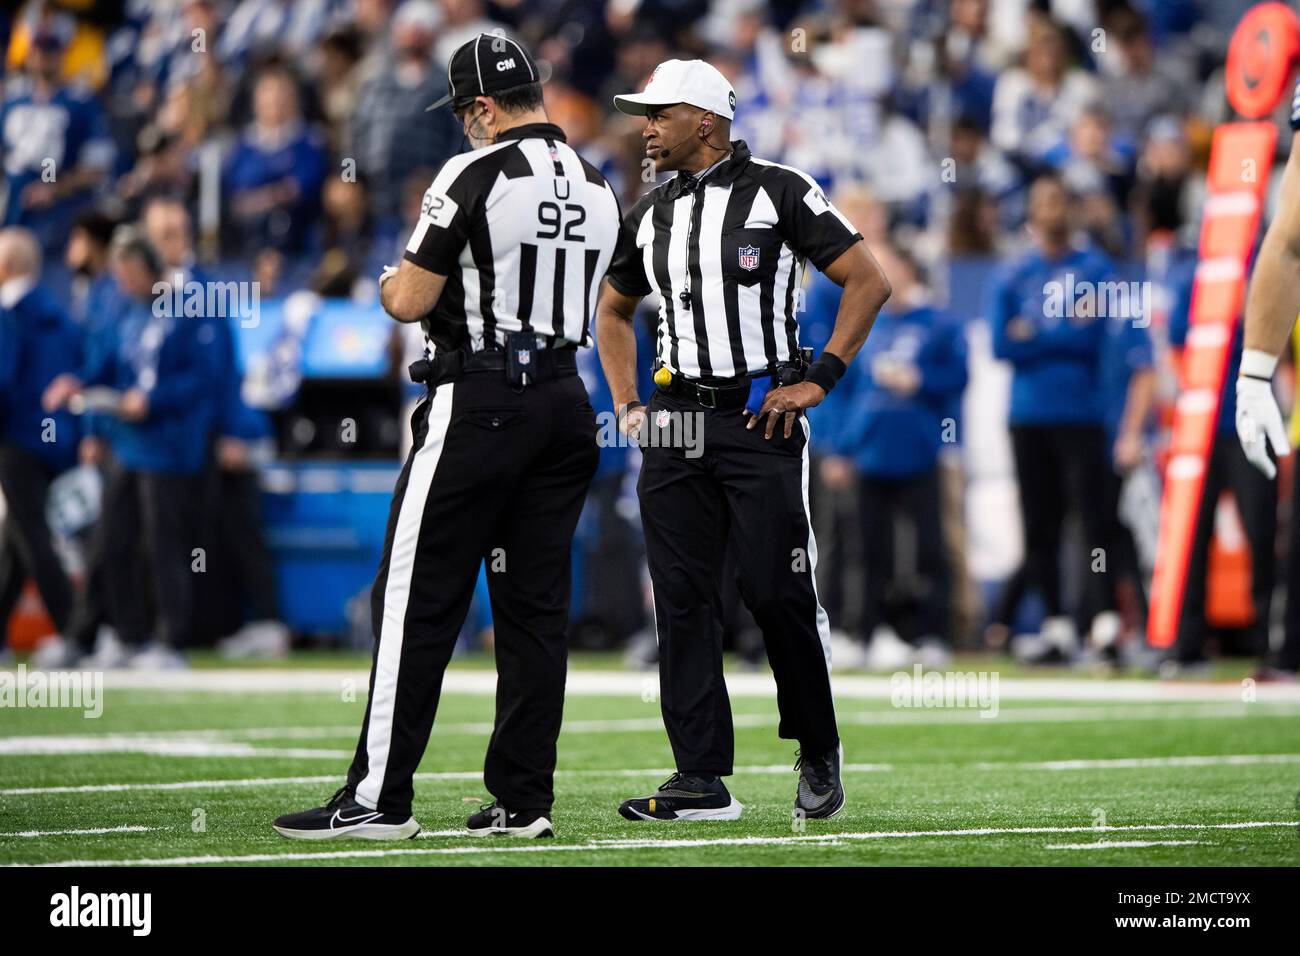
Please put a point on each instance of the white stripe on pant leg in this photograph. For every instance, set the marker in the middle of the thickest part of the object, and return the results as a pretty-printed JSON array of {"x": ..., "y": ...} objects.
[
  {"x": 823, "y": 622},
  {"x": 397, "y": 592}
]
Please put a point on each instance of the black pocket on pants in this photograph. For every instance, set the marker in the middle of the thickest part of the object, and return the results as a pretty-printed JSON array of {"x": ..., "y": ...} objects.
[{"x": 494, "y": 419}]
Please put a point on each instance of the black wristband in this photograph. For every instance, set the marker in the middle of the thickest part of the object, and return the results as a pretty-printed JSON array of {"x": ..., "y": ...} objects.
[
  {"x": 825, "y": 372},
  {"x": 634, "y": 404}
]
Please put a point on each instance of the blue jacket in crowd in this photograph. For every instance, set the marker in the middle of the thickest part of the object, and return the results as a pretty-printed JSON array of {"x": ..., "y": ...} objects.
[
  {"x": 1055, "y": 378},
  {"x": 70, "y": 128},
  {"x": 167, "y": 358},
  {"x": 888, "y": 435},
  {"x": 234, "y": 418},
  {"x": 252, "y": 165},
  {"x": 38, "y": 342}
]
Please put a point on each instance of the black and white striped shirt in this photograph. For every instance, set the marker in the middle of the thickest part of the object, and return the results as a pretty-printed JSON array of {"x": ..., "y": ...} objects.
[
  {"x": 726, "y": 253},
  {"x": 523, "y": 230}
]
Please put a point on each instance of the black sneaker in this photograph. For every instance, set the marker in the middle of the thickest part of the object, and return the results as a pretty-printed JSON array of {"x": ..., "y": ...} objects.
[
  {"x": 821, "y": 794},
  {"x": 342, "y": 816},
  {"x": 496, "y": 820},
  {"x": 685, "y": 797}
]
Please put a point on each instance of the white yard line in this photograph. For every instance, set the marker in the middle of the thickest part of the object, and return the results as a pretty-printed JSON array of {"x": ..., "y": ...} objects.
[
  {"x": 94, "y": 831},
  {"x": 1124, "y": 844},
  {"x": 1120, "y": 763},
  {"x": 913, "y": 834},
  {"x": 616, "y": 845},
  {"x": 160, "y": 745},
  {"x": 217, "y": 742},
  {"x": 650, "y": 773},
  {"x": 624, "y": 683}
]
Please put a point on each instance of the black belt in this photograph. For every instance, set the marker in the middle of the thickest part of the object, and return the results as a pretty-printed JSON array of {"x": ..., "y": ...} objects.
[
  {"x": 560, "y": 362},
  {"x": 728, "y": 393},
  {"x": 734, "y": 392}
]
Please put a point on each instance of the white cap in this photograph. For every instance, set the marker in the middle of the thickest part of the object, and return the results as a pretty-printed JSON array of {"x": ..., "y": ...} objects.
[{"x": 682, "y": 81}]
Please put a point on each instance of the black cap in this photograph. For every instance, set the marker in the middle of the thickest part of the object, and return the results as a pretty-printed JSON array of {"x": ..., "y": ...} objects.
[{"x": 487, "y": 64}]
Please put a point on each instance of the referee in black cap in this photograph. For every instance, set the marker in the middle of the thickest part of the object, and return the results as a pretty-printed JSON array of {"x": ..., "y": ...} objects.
[
  {"x": 724, "y": 243},
  {"x": 502, "y": 270}
]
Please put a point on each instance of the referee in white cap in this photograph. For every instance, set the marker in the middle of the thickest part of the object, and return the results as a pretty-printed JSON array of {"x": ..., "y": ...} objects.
[{"x": 724, "y": 243}]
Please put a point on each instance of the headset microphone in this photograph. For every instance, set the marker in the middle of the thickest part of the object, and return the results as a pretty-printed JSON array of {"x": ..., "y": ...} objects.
[
  {"x": 707, "y": 127},
  {"x": 667, "y": 150}
]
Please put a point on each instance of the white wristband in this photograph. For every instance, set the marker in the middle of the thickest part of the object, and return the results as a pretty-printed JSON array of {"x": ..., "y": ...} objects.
[{"x": 1258, "y": 364}]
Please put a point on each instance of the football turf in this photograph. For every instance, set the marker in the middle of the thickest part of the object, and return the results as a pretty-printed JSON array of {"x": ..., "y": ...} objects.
[{"x": 197, "y": 776}]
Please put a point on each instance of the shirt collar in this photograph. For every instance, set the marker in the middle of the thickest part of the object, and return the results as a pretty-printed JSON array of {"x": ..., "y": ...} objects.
[
  {"x": 539, "y": 130},
  {"x": 722, "y": 173},
  {"x": 13, "y": 291}
]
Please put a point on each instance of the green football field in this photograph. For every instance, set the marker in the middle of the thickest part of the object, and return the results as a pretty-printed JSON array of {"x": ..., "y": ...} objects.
[{"x": 1069, "y": 772}]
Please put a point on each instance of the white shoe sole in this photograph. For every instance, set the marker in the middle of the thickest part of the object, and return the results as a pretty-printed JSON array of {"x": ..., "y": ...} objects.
[
  {"x": 538, "y": 828},
  {"x": 364, "y": 831},
  {"x": 731, "y": 812}
]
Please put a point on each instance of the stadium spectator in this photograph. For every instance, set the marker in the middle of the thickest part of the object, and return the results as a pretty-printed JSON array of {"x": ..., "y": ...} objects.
[
  {"x": 458, "y": 22},
  {"x": 1035, "y": 104},
  {"x": 163, "y": 405},
  {"x": 979, "y": 165},
  {"x": 347, "y": 267},
  {"x": 93, "y": 288},
  {"x": 835, "y": 123},
  {"x": 273, "y": 176},
  {"x": 970, "y": 61},
  {"x": 37, "y": 343},
  {"x": 1042, "y": 325},
  {"x": 899, "y": 393},
  {"x": 1127, "y": 383},
  {"x": 57, "y": 149},
  {"x": 292, "y": 26},
  {"x": 96, "y": 303},
  {"x": 341, "y": 77},
  {"x": 232, "y": 526},
  {"x": 834, "y": 483},
  {"x": 392, "y": 135},
  {"x": 1090, "y": 161},
  {"x": 1136, "y": 84}
]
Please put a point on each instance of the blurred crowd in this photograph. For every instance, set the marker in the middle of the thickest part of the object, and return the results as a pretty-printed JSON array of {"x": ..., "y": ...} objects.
[{"x": 285, "y": 142}]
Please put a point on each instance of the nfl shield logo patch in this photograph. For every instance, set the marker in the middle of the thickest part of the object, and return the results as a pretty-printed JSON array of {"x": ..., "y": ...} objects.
[
  {"x": 749, "y": 258},
  {"x": 661, "y": 419},
  {"x": 525, "y": 356}
]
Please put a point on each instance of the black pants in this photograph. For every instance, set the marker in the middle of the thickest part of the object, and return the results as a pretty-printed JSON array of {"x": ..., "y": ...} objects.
[
  {"x": 1122, "y": 555},
  {"x": 245, "y": 544},
  {"x": 496, "y": 476},
  {"x": 881, "y": 503},
  {"x": 144, "y": 549},
  {"x": 90, "y": 609},
  {"x": 27, "y": 545},
  {"x": 1062, "y": 469},
  {"x": 754, "y": 492},
  {"x": 1256, "y": 498}
]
